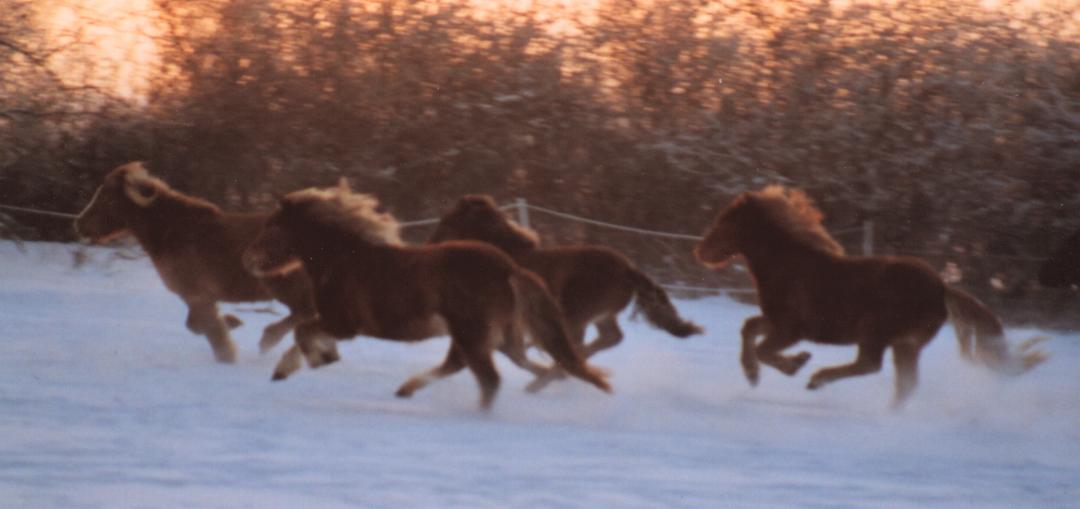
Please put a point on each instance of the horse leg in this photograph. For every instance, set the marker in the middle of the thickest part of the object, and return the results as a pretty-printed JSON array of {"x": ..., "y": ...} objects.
[
  {"x": 867, "y": 361},
  {"x": 906, "y": 361},
  {"x": 472, "y": 338},
  {"x": 318, "y": 347},
  {"x": 294, "y": 290},
  {"x": 768, "y": 352},
  {"x": 513, "y": 347},
  {"x": 203, "y": 319},
  {"x": 609, "y": 335},
  {"x": 453, "y": 363},
  {"x": 751, "y": 329},
  {"x": 576, "y": 331},
  {"x": 291, "y": 362},
  {"x": 275, "y": 332}
]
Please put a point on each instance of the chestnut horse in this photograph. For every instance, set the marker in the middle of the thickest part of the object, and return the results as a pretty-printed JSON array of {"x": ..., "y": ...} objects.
[
  {"x": 367, "y": 282},
  {"x": 592, "y": 284},
  {"x": 809, "y": 289},
  {"x": 196, "y": 250},
  {"x": 1062, "y": 268}
]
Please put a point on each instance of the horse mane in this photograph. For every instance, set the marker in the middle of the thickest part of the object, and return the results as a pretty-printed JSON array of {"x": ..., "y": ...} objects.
[
  {"x": 353, "y": 213},
  {"x": 792, "y": 212}
]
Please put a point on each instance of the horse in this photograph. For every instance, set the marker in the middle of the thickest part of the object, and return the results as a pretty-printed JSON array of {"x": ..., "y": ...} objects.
[
  {"x": 1062, "y": 268},
  {"x": 809, "y": 289},
  {"x": 593, "y": 284},
  {"x": 367, "y": 282},
  {"x": 196, "y": 249}
]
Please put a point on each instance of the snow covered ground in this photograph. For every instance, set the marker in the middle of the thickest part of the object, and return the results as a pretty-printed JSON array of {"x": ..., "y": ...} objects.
[{"x": 106, "y": 400}]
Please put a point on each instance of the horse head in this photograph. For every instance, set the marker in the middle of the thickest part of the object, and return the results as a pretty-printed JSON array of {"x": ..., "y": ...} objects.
[
  {"x": 127, "y": 189},
  {"x": 723, "y": 240},
  {"x": 478, "y": 217}
]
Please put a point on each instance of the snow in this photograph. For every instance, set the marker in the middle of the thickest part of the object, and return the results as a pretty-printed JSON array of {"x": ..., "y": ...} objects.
[{"x": 106, "y": 400}]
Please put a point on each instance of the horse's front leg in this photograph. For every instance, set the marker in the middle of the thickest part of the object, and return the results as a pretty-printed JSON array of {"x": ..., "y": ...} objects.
[
  {"x": 203, "y": 318},
  {"x": 318, "y": 347},
  {"x": 751, "y": 329},
  {"x": 768, "y": 351}
]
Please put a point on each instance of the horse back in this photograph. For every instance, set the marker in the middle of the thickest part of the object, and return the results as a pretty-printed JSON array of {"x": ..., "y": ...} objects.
[
  {"x": 854, "y": 299},
  {"x": 588, "y": 281}
]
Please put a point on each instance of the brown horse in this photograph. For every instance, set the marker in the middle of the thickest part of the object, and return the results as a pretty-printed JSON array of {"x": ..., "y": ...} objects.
[
  {"x": 810, "y": 290},
  {"x": 1062, "y": 268},
  {"x": 196, "y": 249},
  {"x": 592, "y": 284},
  {"x": 367, "y": 282}
]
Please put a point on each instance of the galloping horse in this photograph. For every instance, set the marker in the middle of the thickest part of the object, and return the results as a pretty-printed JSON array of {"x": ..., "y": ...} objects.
[
  {"x": 1062, "y": 269},
  {"x": 592, "y": 284},
  {"x": 810, "y": 290},
  {"x": 196, "y": 250},
  {"x": 367, "y": 282}
]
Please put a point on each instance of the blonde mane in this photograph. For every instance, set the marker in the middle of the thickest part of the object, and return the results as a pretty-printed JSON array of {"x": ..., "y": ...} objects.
[
  {"x": 349, "y": 212},
  {"x": 792, "y": 211}
]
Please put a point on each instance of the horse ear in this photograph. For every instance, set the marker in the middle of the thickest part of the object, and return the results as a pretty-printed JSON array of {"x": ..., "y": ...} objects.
[
  {"x": 343, "y": 186},
  {"x": 140, "y": 186}
]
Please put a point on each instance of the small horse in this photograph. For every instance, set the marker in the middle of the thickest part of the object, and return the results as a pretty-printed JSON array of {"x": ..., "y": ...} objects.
[
  {"x": 810, "y": 290},
  {"x": 196, "y": 250},
  {"x": 367, "y": 282},
  {"x": 592, "y": 284},
  {"x": 1062, "y": 268}
]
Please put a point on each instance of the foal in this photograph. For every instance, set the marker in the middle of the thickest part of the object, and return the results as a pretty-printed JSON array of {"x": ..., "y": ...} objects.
[
  {"x": 196, "y": 250},
  {"x": 593, "y": 284},
  {"x": 367, "y": 282},
  {"x": 810, "y": 290}
]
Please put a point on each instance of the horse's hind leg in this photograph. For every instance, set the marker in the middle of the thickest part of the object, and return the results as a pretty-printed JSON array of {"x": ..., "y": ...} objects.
[
  {"x": 576, "y": 331},
  {"x": 906, "y": 360},
  {"x": 609, "y": 335},
  {"x": 203, "y": 319},
  {"x": 453, "y": 363},
  {"x": 867, "y": 361}
]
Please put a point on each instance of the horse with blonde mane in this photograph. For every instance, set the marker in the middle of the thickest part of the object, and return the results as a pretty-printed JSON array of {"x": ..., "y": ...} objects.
[
  {"x": 593, "y": 284},
  {"x": 196, "y": 249},
  {"x": 809, "y": 289},
  {"x": 368, "y": 283}
]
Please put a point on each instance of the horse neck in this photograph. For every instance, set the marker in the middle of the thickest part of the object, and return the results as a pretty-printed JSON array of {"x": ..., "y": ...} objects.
[
  {"x": 169, "y": 213},
  {"x": 775, "y": 260},
  {"x": 324, "y": 252}
]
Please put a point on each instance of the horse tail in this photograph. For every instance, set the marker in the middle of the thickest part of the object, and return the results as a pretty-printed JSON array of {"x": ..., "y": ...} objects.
[
  {"x": 653, "y": 301},
  {"x": 972, "y": 318},
  {"x": 542, "y": 317}
]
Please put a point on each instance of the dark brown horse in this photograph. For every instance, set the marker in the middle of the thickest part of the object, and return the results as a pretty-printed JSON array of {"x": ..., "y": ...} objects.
[
  {"x": 809, "y": 289},
  {"x": 592, "y": 284},
  {"x": 1062, "y": 268},
  {"x": 367, "y": 282},
  {"x": 196, "y": 249}
]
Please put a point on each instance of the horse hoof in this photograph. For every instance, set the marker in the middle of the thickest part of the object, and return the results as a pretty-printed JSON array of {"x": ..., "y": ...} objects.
[
  {"x": 800, "y": 361},
  {"x": 815, "y": 384},
  {"x": 330, "y": 358},
  {"x": 403, "y": 393},
  {"x": 535, "y": 386},
  {"x": 278, "y": 377},
  {"x": 232, "y": 322}
]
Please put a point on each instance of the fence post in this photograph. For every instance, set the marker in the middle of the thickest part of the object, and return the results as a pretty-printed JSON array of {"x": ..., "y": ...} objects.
[
  {"x": 522, "y": 212},
  {"x": 868, "y": 238}
]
